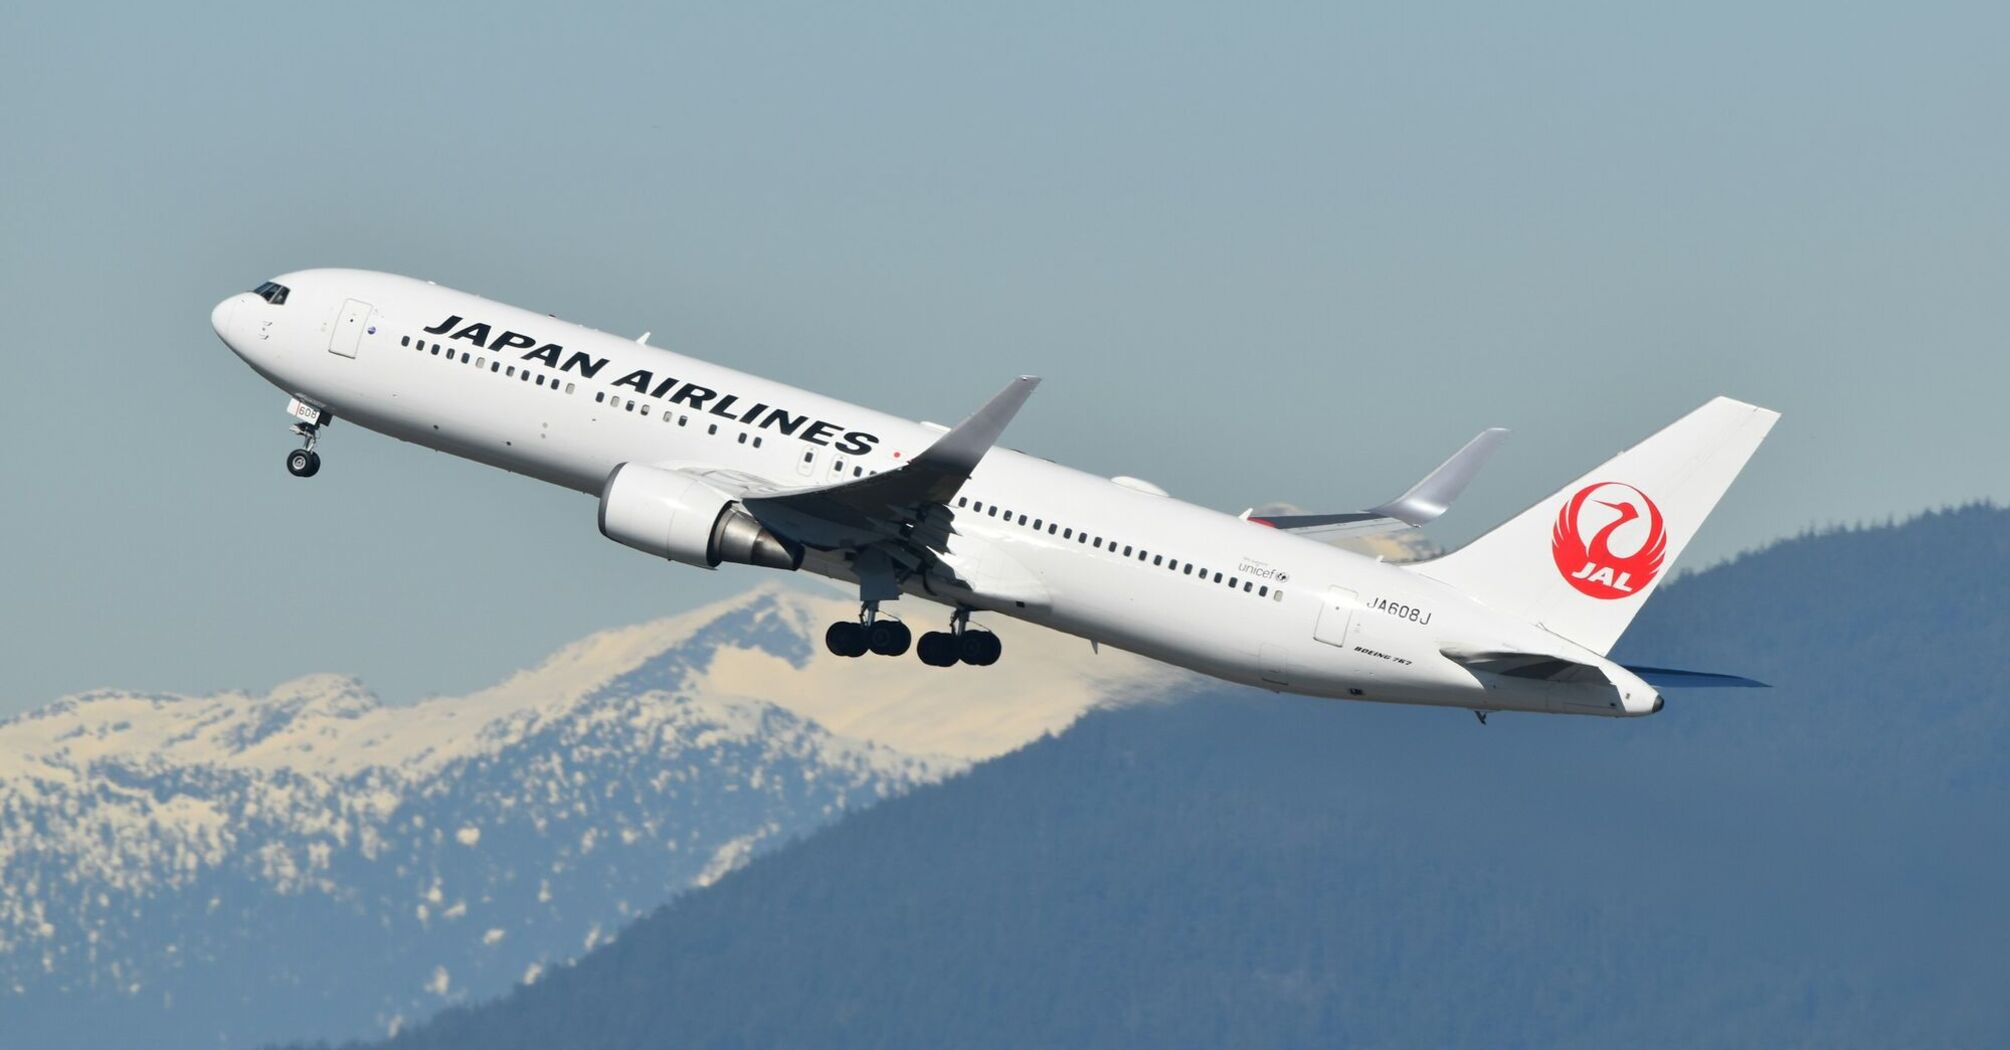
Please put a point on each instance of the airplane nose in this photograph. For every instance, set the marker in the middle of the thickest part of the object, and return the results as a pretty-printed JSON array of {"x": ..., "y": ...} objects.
[{"x": 221, "y": 317}]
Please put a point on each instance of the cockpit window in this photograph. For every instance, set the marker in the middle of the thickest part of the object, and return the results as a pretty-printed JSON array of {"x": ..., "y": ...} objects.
[{"x": 272, "y": 292}]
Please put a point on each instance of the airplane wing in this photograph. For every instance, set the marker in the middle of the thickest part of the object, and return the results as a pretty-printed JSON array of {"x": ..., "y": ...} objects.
[
  {"x": 932, "y": 477},
  {"x": 1425, "y": 501},
  {"x": 881, "y": 506}
]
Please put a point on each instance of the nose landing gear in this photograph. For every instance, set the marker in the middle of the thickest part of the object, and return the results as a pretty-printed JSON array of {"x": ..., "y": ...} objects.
[{"x": 304, "y": 462}]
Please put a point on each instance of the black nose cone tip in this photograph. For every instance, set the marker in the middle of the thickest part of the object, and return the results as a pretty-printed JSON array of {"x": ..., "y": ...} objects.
[{"x": 1658, "y": 703}]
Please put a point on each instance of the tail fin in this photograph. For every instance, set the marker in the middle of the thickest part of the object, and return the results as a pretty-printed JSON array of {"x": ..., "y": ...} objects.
[{"x": 1581, "y": 562}]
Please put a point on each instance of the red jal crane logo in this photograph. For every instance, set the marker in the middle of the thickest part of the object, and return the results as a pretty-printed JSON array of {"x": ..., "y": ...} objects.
[{"x": 1591, "y": 565}]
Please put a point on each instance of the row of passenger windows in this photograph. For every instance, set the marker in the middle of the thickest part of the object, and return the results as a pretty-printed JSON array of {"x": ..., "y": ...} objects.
[
  {"x": 599, "y": 397},
  {"x": 809, "y": 458},
  {"x": 527, "y": 375},
  {"x": 1261, "y": 590},
  {"x": 669, "y": 416}
]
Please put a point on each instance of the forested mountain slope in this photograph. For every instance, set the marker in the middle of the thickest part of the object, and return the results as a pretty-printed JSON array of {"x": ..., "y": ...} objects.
[{"x": 1818, "y": 864}]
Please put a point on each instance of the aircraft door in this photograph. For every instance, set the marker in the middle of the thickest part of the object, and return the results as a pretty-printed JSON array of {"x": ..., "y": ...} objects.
[
  {"x": 349, "y": 328},
  {"x": 1335, "y": 616}
]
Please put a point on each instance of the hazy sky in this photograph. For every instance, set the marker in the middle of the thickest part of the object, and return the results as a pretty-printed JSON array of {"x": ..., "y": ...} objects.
[{"x": 1294, "y": 253}]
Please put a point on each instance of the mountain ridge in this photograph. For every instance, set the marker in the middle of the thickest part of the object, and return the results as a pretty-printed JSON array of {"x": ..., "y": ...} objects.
[{"x": 171, "y": 858}]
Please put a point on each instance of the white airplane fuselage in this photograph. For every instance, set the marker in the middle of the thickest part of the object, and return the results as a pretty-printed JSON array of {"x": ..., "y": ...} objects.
[{"x": 1103, "y": 560}]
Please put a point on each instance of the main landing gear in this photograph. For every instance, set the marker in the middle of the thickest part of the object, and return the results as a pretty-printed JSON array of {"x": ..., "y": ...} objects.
[
  {"x": 961, "y": 643},
  {"x": 870, "y": 633}
]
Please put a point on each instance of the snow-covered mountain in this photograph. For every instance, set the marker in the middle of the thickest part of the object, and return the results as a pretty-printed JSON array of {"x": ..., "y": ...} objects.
[{"x": 231, "y": 869}]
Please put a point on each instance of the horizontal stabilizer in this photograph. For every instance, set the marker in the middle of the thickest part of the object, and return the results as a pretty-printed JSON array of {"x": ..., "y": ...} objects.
[
  {"x": 1665, "y": 678},
  {"x": 1542, "y": 666},
  {"x": 1425, "y": 501}
]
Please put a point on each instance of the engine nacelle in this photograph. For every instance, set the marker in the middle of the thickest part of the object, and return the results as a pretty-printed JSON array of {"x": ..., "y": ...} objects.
[{"x": 673, "y": 515}]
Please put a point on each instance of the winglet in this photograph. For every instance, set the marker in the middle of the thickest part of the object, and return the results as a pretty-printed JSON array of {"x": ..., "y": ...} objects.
[
  {"x": 1429, "y": 498},
  {"x": 956, "y": 453}
]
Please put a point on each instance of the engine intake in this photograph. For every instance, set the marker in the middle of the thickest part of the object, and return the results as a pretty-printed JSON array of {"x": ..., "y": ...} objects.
[{"x": 673, "y": 515}]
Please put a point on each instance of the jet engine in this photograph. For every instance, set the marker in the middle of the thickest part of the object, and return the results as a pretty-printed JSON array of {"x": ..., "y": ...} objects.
[{"x": 673, "y": 515}]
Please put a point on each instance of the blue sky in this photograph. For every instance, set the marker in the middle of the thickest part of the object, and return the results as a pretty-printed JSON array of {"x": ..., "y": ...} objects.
[{"x": 1290, "y": 252}]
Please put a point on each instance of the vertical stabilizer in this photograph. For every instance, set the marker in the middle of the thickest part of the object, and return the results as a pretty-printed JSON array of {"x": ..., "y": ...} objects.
[{"x": 1581, "y": 562}]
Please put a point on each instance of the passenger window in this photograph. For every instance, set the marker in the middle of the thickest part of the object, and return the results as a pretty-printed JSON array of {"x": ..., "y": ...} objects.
[
  {"x": 540, "y": 380},
  {"x": 436, "y": 349},
  {"x": 1068, "y": 535},
  {"x": 1052, "y": 528},
  {"x": 994, "y": 510},
  {"x": 1127, "y": 550},
  {"x": 1277, "y": 596},
  {"x": 464, "y": 359},
  {"x": 495, "y": 366},
  {"x": 681, "y": 420},
  {"x": 481, "y": 362},
  {"x": 1217, "y": 577},
  {"x": 858, "y": 472},
  {"x": 406, "y": 341},
  {"x": 1263, "y": 592},
  {"x": 713, "y": 429},
  {"x": 757, "y": 441},
  {"x": 743, "y": 437},
  {"x": 599, "y": 396},
  {"x": 631, "y": 406},
  {"x": 1158, "y": 559},
  {"x": 568, "y": 388},
  {"x": 1022, "y": 519},
  {"x": 1188, "y": 569},
  {"x": 511, "y": 372},
  {"x": 809, "y": 457},
  {"x": 962, "y": 501}
]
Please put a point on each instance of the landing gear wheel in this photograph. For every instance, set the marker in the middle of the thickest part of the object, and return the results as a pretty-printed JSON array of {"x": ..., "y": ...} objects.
[
  {"x": 979, "y": 648},
  {"x": 937, "y": 649},
  {"x": 846, "y": 638},
  {"x": 303, "y": 463},
  {"x": 888, "y": 637}
]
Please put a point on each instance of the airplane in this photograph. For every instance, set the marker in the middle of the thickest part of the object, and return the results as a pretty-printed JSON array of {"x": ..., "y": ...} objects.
[{"x": 702, "y": 465}]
